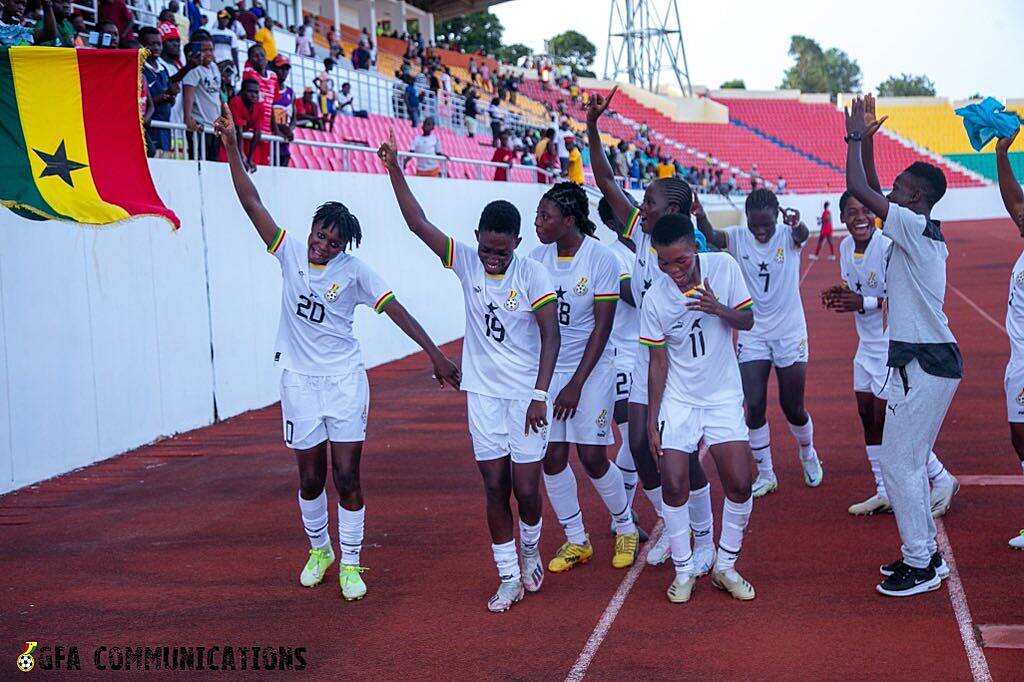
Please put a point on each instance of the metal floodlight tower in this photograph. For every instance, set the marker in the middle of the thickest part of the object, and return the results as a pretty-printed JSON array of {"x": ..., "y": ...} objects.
[{"x": 645, "y": 39}]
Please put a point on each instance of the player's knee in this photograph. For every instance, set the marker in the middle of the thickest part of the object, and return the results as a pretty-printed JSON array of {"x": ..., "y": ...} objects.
[
  {"x": 596, "y": 465},
  {"x": 346, "y": 481},
  {"x": 737, "y": 491},
  {"x": 526, "y": 492},
  {"x": 756, "y": 409},
  {"x": 794, "y": 411},
  {"x": 674, "y": 494},
  {"x": 497, "y": 491},
  {"x": 311, "y": 483}
]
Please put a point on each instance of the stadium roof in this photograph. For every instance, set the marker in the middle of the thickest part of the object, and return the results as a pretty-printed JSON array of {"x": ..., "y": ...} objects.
[{"x": 446, "y": 9}]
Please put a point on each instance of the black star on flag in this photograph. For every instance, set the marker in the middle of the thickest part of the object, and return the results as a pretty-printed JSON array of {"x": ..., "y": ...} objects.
[{"x": 58, "y": 164}]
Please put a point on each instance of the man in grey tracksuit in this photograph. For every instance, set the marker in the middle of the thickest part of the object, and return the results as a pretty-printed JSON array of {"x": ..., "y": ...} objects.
[{"x": 925, "y": 361}]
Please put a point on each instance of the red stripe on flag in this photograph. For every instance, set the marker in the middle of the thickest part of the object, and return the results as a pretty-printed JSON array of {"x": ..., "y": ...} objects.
[{"x": 113, "y": 132}]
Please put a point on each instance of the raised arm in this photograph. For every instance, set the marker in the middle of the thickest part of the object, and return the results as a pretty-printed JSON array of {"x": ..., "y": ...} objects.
[
  {"x": 246, "y": 191},
  {"x": 620, "y": 204},
  {"x": 1009, "y": 188},
  {"x": 413, "y": 213},
  {"x": 867, "y": 151},
  {"x": 49, "y": 30},
  {"x": 715, "y": 237},
  {"x": 791, "y": 217},
  {"x": 445, "y": 370},
  {"x": 856, "y": 177}
]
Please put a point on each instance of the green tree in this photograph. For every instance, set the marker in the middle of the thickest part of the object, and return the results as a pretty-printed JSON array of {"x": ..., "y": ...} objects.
[
  {"x": 574, "y": 50},
  {"x": 734, "y": 84},
  {"x": 816, "y": 70},
  {"x": 473, "y": 32},
  {"x": 511, "y": 54},
  {"x": 907, "y": 85}
]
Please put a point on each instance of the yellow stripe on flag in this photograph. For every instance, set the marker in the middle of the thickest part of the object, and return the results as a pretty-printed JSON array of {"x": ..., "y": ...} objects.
[{"x": 46, "y": 84}]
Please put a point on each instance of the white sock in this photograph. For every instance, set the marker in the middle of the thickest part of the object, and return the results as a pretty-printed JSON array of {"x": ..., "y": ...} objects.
[
  {"x": 735, "y": 516},
  {"x": 613, "y": 494},
  {"x": 804, "y": 438},
  {"x": 937, "y": 473},
  {"x": 314, "y": 520},
  {"x": 350, "y": 534},
  {"x": 506, "y": 560},
  {"x": 761, "y": 445},
  {"x": 677, "y": 526},
  {"x": 562, "y": 493},
  {"x": 624, "y": 461},
  {"x": 654, "y": 495},
  {"x": 529, "y": 536},
  {"x": 701, "y": 517},
  {"x": 874, "y": 452}
]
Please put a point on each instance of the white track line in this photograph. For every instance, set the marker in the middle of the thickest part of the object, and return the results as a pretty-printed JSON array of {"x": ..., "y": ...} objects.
[
  {"x": 804, "y": 276},
  {"x": 977, "y": 308},
  {"x": 975, "y": 656},
  {"x": 579, "y": 669}
]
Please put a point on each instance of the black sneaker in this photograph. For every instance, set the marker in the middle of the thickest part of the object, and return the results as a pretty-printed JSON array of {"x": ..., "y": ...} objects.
[
  {"x": 906, "y": 581},
  {"x": 938, "y": 563}
]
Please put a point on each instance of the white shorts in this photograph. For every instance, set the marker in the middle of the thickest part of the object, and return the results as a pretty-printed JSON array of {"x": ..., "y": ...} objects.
[
  {"x": 683, "y": 426},
  {"x": 497, "y": 427},
  {"x": 638, "y": 389},
  {"x": 1013, "y": 383},
  {"x": 594, "y": 415},
  {"x": 315, "y": 409},
  {"x": 871, "y": 372},
  {"x": 624, "y": 363},
  {"x": 779, "y": 352}
]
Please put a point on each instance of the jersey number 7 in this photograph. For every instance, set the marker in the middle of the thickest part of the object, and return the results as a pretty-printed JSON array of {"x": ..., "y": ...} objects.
[{"x": 767, "y": 278}]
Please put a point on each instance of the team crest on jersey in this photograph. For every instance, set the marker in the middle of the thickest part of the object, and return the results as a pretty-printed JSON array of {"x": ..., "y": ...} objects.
[
  {"x": 332, "y": 294},
  {"x": 581, "y": 286},
  {"x": 602, "y": 419},
  {"x": 512, "y": 302},
  {"x": 1019, "y": 278},
  {"x": 780, "y": 256},
  {"x": 872, "y": 280}
]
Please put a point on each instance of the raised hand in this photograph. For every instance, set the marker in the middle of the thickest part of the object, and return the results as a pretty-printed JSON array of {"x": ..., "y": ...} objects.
[
  {"x": 696, "y": 208},
  {"x": 388, "y": 153},
  {"x": 855, "y": 117},
  {"x": 598, "y": 104},
  {"x": 1003, "y": 144},
  {"x": 224, "y": 127},
  {"x": 870, "y": 121},
  {"x": 790, "y": 216}
]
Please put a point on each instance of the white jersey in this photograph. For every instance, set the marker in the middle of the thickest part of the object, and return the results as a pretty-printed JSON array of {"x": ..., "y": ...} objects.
[
  {"x": 580, "y": 281},
  {"x": 501, "y": 351},
  {"x": 314, "y": 336},
  {"x": 645, "y": 262},
  {"x": 772, "y": 273},
  {"x": 864, "y": 274},
  {"x": 702, "y": 367},
  {"x": 1015, "y": 310},
  {"x": 626, "y": 328}
]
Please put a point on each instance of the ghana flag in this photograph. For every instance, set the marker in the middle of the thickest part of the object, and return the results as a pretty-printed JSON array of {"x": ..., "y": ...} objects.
[{"x": 71, "y": 145}]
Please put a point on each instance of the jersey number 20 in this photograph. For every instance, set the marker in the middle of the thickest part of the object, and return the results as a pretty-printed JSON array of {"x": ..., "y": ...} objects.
[{"x": 312, "y": 311}]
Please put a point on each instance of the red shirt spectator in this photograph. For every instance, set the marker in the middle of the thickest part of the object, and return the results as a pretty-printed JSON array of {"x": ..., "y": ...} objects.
[
  {"x": 268, "y": 87},
  {"x": 248, "y": 120},
  {"x": 503, "y": 155},
  {"x": 826, "y": 223},
  {"x": 248, "y": 20},
  {"x": 117, "y": 12}
]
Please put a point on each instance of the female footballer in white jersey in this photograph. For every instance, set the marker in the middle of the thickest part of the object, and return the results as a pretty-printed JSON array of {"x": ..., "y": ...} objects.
[
  {"x": 663, "y": 197},
  {"x": 695, "y": 392},
  {"x": 1013, "y": 382},
  {"x": 768, "y": 253},
  {"x": 325, "y": 395},
  {"x": 508, "y": 359},
  {"x": 863, "y": 259},
  {"x": 585, "y": 274}
]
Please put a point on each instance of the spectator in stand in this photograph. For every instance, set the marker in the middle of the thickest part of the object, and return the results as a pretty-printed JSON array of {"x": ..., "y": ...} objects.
[
  {"x": 117, "y": 12},
  {"x": 161, "y": 91},
  {"x": 347, "y": 102},
  {"x": 281, "y": 121},
  {"x": 497, "y": 116},
  {"x": 248, "y": 20},
  {"x": 258, "y": 69},
  {"x": 307, "y": 111},
  {"x": 235, "y": 25},
  {"x": 201, "y": 96},
  {"x": 547, "y": 155},
  {"x": 412, "y": 102},
  {"x": 666, "y": 169},
  {"x": 473, "y": 70},
  {"x": 177, "y": 69},
  {"x": 325, "y": 86},
  {"x": 265, "y": 37},
  {"x": 178, "y": 17},
  {"x": 470, "y": 112},
  {"x": 332, "y": 38},
  {"x": 505, "y": 153},
  {"x": 780, "y": 185},
  {"x": 65, "y": 32},
  {"x": 561, "y": 136},
  {"x": 81, "y": 30},
  {"x": 304, "y": 37},
  {"x": 228, "y": 78},
  {"x": 225, "y": 40},
  {"x": 574, "y": 168},
  {"x": 247, "y": 114},
  {"x": 361, "y": 58},
  {"x": 427, "y": 143}
]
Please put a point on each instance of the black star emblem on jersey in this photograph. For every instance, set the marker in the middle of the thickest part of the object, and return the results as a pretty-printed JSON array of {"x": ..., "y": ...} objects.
[
  {"x": 58, "y": 164},
  {"x": 696, "y": 324},
  {"x": 763, "y": 266},
  {"x": 491, "y": 307},
  {"x": 857, "y": 286},
  {"x": 647, "y": 284},
  {"x": 561, "y": 293}
]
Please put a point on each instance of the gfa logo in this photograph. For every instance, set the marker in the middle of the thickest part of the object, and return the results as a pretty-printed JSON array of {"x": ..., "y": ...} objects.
[{"x": 26, "y": 661}]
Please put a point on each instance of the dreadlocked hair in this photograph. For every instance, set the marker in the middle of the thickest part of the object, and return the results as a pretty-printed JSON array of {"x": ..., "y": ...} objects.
[
  {"x": 335, "y": 215},
  {"x": 762, "y": 197},
  {"x": 500, "y": 216},
  {"x": 572, "y": 201},
  {"x": 677, "y": 191}
]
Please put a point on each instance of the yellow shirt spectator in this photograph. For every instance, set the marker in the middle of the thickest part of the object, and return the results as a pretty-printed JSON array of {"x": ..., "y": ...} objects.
[
  {"x": 265, "y": 37},
  {"x": 576, "y": 166},
  {"x": 666, "y": 170}
]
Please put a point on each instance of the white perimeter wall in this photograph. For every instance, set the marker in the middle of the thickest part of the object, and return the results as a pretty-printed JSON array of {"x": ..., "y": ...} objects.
[
  {"x": 113, "y": 337},
  {"x": 107, "y": 335}
]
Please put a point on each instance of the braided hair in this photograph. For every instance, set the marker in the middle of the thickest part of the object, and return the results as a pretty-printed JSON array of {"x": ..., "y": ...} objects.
[
  {"x": 572, "y": 201},
  {"x": 762, "y": 197},
  {"x": 677, "y": 191},
  {"x": 335, "y": 215}
]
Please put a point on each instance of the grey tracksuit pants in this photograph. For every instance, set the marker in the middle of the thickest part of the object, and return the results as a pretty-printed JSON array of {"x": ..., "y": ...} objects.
[{"x": 917, "y": 405}]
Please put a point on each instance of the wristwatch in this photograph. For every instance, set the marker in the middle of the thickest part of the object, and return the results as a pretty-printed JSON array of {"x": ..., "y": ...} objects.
[{"x": 854, "y": 137}]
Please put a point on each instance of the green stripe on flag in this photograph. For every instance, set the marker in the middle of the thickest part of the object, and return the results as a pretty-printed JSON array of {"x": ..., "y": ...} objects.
[{"x": 19, "y": 187}]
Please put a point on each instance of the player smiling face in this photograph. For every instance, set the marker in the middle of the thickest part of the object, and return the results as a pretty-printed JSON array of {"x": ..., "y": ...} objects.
[
  {"x": 325, "y": 243},
  {"x": 678, "y": 260},
  {"x": 859, "y": 220},
  {"x": 664, "y": 197},
  {"x": 495, "y": 250}
]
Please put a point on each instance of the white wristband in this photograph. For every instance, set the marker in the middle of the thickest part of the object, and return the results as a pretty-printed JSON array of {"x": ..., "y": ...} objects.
[
  {"x": 870, "y": 303},
  {"x": 540, "y": 396}
]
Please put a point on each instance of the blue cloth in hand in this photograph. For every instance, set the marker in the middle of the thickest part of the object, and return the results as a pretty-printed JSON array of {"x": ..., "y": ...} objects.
[{"x": 986, "y": 121}]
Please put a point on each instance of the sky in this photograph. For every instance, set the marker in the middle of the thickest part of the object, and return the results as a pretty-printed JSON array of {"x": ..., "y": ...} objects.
[{"x": 912, "y": 36}]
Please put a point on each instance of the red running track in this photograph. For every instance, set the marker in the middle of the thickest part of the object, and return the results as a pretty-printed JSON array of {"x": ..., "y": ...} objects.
[{"x": 197, "y": 539}]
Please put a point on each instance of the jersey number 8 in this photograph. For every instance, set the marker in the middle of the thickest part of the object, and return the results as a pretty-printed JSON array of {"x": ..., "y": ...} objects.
[{"x": 564, "y": 310}]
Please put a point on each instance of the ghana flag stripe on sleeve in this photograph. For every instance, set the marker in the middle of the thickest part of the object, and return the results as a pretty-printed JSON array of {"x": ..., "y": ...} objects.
[
  {"x": 449, "y": 254},
  {"x": 378, "y": 307},
  {"x": 74, "y": 151},
  {"x": 606, "y": 297},
  {"x": 543, "y": 301},
  {"x": 745, "y": 305},
  {"x": 654, "y": 343},
  {"x": 634, "y": 219}
]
